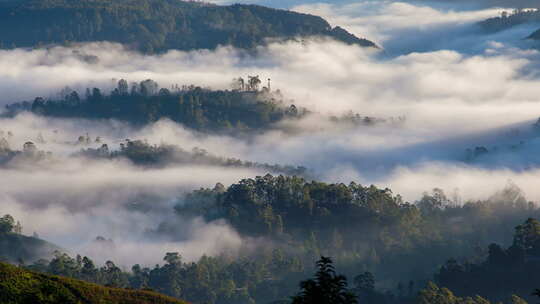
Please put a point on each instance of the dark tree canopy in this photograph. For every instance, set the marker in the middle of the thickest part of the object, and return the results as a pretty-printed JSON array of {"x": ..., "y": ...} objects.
[
  {"x": 197, "y": 108},
  {"x": 326, "y": 288},
  {"x": 7, "y": 223},
  {"x": 156, "y": 25},
  {"x": 504, "y": 271}
]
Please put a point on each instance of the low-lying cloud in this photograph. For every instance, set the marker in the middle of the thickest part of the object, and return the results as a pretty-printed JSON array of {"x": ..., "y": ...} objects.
[{"x": 455, "y": 95}]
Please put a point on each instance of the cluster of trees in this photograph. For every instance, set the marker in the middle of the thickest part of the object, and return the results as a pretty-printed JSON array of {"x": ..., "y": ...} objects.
[
  {"x": 194, "y": 107},
  {"x": 522, "y": 142},
  {"x": 356, "y": 119},
  {"x": 156, "y": 26},
  {"x": 18, "y": 248},
  {"x": 209, "y": 280},
  {"x": 366, "y": 230},
  {"x": 226, "y": 280},
  {"x": 512, "y": 270},
  {"x": 508, "y": 20},
  {"x": 270, "y": 279},
  {"x": 20, "y": 286},
  {"x": 141, "y": 153},
  {"x": 434, "y": 294},
  {"x": 479, "y": 152},
  {"x": 29, "y": 152},
  {"x": 8, "y": 225}
]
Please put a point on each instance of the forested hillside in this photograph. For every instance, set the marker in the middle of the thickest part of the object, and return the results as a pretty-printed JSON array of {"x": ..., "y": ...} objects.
[
  {"x": 156, "y": 25},
  {"x": 281, "y": 159},
  {"x": 18, "y": 248},
  {"x": 249, "y": 108},
  {"x": 375, "y": 238},
  {"x": 514, "y": 269},
  {"x": 18, "y": 286}
]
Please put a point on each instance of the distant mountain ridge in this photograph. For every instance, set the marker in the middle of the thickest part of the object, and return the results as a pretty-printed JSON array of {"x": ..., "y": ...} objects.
[{"x": 156, "y": 25}]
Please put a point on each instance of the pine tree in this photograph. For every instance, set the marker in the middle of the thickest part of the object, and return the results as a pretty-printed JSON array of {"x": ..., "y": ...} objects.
[{"x": 325, "y": 288}]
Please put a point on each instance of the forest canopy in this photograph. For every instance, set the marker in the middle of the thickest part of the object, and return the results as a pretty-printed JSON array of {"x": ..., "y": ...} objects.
[
  {"x": 156, "y": 25},
  {"x": 245, "y": 108}
]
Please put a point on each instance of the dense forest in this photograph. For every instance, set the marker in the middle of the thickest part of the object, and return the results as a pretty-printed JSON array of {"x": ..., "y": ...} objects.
[
  {"x": 248, "y": 107},
  {"x": 133, "y": 192},
  {"x": 156, "y": 26},
  {"x": 370, "y": 233},
  {"x": 514, "y": 269}
]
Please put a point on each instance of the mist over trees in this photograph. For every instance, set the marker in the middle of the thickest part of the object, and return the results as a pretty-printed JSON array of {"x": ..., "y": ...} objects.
[
  {"x": 244, "y": 109},
  {"x": 144, "y": 154},
  {"x": 187, "y": 193},
  {"x": 18, "y": 248},
  {"x": 389, "y": 248}
]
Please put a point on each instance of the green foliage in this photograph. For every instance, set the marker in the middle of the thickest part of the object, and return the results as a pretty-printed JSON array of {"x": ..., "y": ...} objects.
[
  {"x": 7, "y": 223},
  {"x": 209, "y": 280},
  {"x": 269, "y": 205},
  {"x": 363, "y": 227},
  {"x": 433, "y": 294},
  {"x": 326, "y": 288},
  {"x": 144, "y": 154},
  {"x": 527, "y": 237},
  {"x": 18, "y": 286},
  {"x": 289, "y": 222},
  {"x": 19, "y": 248},
  {"x": 504, "y": 271},
  {"x": 15, "y": 247},
  {"x": 156, "y": 26},
  {"x": 194, "y": 107}
]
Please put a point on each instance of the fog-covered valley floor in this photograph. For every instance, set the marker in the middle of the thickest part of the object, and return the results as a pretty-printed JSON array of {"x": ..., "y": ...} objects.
[
  {"x": 442, "y": 87},
  {"x": 447, "y": 106}
]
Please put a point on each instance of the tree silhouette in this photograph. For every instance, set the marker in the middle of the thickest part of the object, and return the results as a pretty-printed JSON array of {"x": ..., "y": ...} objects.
[
  {"x": 536, "y": 293},
  {"x": 325, "y": 288}
]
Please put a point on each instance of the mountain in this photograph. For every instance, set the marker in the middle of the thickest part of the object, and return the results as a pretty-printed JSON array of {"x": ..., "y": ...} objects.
[
  {"x": 156, "y": 25},
  {"x": 15, "y": 247},
  {"x": 19, "y": 286}
]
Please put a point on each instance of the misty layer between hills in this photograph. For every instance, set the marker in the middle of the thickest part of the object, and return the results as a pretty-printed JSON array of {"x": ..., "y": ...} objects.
[{"x": 456, "y": 95}]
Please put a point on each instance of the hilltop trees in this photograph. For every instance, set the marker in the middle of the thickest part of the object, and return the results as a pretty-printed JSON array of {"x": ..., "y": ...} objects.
[
  {"x": 156, "y": 26},
  {"x": 7, "y": 224},
  {"x": 242, "y": 109}
]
